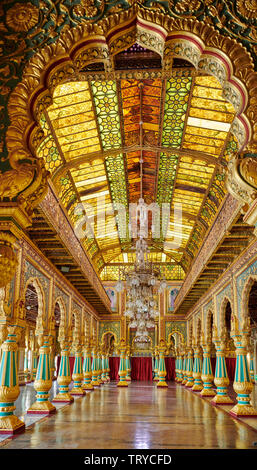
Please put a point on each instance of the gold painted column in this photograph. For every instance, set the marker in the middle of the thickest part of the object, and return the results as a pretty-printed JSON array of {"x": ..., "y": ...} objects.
[
  {"x": 64, "y": 374},
  {"x": 190, "y": 381},
  {"x": 77, "y": 375},
  {"x": 122, "y": 369},
  {"x": 207, "y": 375},
  {"x": 221, "y": 379},
  {"x": 184, "y": 367},
  {"x": 162, "y": 368},
  {"x": 87, "y": 366},
  {"x": 99, "y": 360},
  {"x": 242, "y": 382},
  {"x": 9, "y": 383},
  {"x": 128, "y": 366},
  {"x": 43, "y": 380},
  {"x": 156, "y": 365},
  {"x": 197, "y": 369},
  {"x": 94, "y": 381}
]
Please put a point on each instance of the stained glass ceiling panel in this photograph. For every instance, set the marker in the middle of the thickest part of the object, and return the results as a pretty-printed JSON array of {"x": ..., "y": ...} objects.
[{"x": 180, "y": 129}]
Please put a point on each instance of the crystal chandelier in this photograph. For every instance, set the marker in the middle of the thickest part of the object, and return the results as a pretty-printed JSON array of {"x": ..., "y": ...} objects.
[{"x": 142, "y": 283}]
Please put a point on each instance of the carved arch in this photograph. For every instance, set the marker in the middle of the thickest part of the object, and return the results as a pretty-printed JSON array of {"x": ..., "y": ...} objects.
[
  {"x": 222, "y": 310},
  {"x": 42, "y": 320},
  {"x": 62, "y": 306},
  {"x": 179, "y": 338}
]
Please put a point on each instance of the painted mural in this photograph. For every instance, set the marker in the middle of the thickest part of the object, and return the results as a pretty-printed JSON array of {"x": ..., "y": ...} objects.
[
  {"x": 112, "y": 294},
  {"x": 176, "y": 326},
  {"x": 172, "y": 293}
]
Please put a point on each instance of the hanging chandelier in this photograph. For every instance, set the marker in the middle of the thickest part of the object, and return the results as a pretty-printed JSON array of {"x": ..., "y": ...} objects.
[{"x": 143, "y": 282}]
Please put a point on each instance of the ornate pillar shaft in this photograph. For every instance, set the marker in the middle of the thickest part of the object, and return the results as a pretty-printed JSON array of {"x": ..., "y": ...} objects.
[
  {"x": 242, "y": 382},
  {"x": 99, "y": 368},
  {"x": 9, "y": 386},
  {"x": 162, "y": 368},
  {"x": 34, "y": 364},
  {"x": 221, "y": 379},
  {"x": 87, "y": 371},
  {"x": 77, "y": 375},
  {"x": 43, "y": 380},
  {"x": 207, "y": 376},
  {"x": 179, "y": 369},
  {"x": 251, "y": 367},
  {"x": 197, "y": 371},
  {"x": 122, "y": 369},
  {"x": 103, "y": 376},
  {"x": 64, "y": 375},
  {"x": 107, "y": 368},
  {"x": 94, "y": 382},
  {"x": 184, "y": 369},
  {"x": 128, "y": 367},
  {"x": 190, "y": 380},
  {"x": 26, "y": 367},
  {"x": 156, "y": 367}
]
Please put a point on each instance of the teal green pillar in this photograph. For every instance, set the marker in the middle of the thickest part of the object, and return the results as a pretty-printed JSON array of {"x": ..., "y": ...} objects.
[
  {"x": 207, "y": 375},
  {"x": 9, "y": 386},
  {"x": 190, "y": 381},
  {"x": 156, "y": 368},
  {"x": 184, "y": 369},
  {"x": 77, "y": 375},
  {"x": 128, "y": 367},
  {"x": 197, "y": 370},
  {"x": 221, "y": 379},
  {"x": 64, "y": 376},
  {"x": 122, "y": 369},
  {"x": 242, "y": 383},
  {"x": 87, "y": 370},
  {"x": 107, "y": 368},
  {"x": 162, "y": 368},
  {"x": 94, "y": 382},
  {"x": 43, "y": 380}
]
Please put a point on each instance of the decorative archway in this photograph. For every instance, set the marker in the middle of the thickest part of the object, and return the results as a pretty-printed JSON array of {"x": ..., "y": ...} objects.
[
  {"x": 109, "y": 339},
  {"x": 41, "y": 320}
]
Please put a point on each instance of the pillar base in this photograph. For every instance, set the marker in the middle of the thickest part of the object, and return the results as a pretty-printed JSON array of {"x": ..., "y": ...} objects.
[
  {"x": 42, "y": 408},
  {"x": 189, "y": 384},
  {"x": 162, "y": 384},
  {"x": 122, "y": 384},
  {"x": 156, "y": 379},
  {"x": 88, "y": 386},
  {"x": 95, "y": 383},
  {"x": 222, "y": 400},
  {"x": 207, "y": 393},
  {"x": 128, "y": 379},
  {"x": 197, "y": 388},
  {"x": 11, "y": 425},
  {"x": 63, "y": 398},
  {"x": 77, "y": 391},
  {"x": 243, "y": 410}
]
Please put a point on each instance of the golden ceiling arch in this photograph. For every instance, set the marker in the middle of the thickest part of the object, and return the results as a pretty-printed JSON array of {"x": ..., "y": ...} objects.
[{"x": 199, "y": 43}]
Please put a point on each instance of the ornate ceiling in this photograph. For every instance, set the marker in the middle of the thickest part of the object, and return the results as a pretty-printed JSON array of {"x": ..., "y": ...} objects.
[{"x": 93, "y": 144}]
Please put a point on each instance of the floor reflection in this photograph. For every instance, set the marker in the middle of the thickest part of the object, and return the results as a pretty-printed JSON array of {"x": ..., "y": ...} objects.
[{"x": 137, "y": 417}]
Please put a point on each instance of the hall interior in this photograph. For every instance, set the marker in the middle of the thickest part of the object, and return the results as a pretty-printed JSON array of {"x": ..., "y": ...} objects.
[{"x": 128, "y": 250}]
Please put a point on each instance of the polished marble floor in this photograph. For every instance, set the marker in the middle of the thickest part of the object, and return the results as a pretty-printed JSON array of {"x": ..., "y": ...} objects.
[{"x": 138, "y": 417}]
